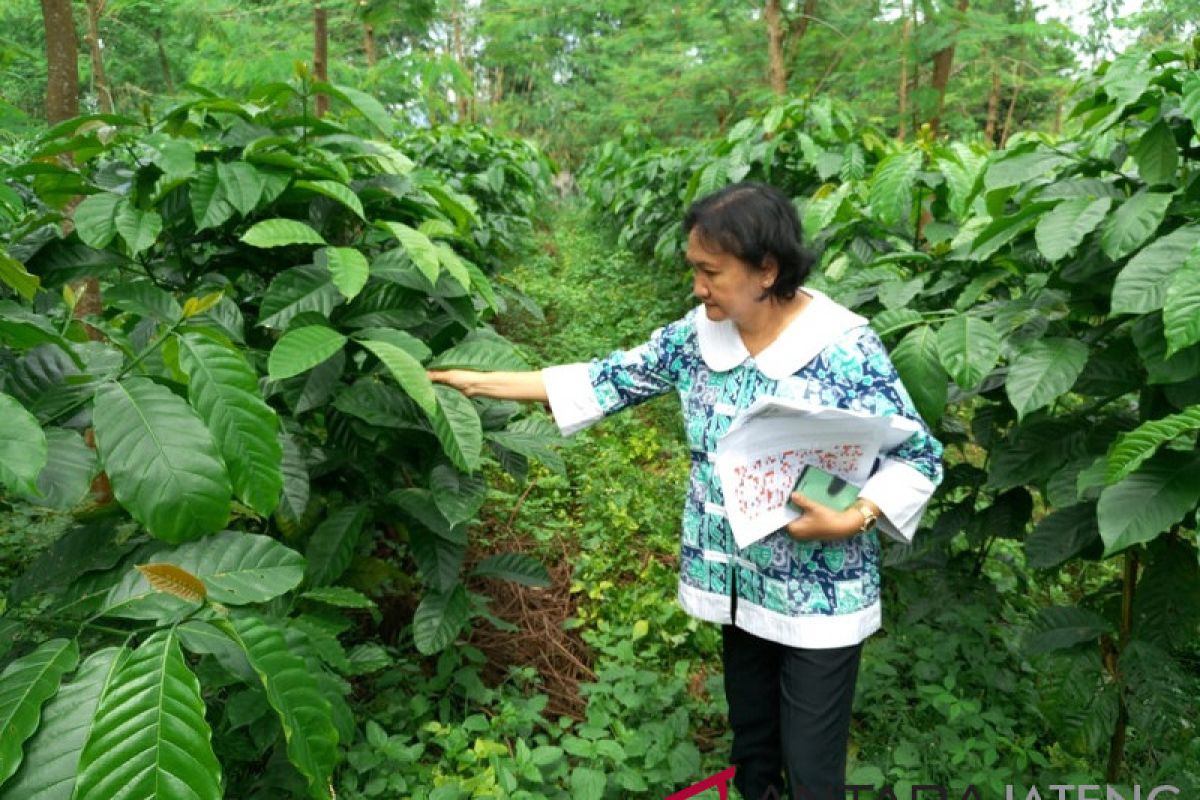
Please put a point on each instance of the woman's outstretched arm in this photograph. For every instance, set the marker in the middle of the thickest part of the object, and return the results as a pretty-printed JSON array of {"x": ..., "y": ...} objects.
[{"x": 500, "y": 385}]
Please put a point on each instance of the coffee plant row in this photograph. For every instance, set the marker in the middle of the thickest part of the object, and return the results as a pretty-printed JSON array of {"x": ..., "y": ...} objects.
[
  {"x": 1043, "y": 307},
  {"x": 214, "y": 330}
]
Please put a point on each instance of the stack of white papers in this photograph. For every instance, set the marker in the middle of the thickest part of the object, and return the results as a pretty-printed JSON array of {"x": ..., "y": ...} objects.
[{"x": 761, "y": 456}]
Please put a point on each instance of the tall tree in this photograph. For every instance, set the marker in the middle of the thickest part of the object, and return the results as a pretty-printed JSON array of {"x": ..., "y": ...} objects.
[
  {"x": 783, "y": 40},
  {"x": 943, "y": 60},
  {"x": 100, "y": 83},
  {"x": 62, "y": 61}
]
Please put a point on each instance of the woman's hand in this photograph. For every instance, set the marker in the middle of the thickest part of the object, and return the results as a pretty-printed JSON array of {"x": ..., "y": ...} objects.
[
  {"x": 820, "y": 522},
  {"x": 461, "y": 379}
]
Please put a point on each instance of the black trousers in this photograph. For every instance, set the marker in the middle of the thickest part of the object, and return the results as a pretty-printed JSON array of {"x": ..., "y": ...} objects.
[{"x": 789, "y": 708}]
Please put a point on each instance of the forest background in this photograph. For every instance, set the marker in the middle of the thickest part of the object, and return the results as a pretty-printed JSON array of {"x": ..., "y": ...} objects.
[{"x": 239, "y": 230}]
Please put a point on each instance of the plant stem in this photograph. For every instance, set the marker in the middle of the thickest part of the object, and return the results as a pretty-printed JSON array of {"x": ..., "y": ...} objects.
[{"x": 1116, "y": 750}]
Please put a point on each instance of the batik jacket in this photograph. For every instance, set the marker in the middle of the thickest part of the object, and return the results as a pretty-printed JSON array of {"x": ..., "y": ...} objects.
[{"x": 802, "y": 594}]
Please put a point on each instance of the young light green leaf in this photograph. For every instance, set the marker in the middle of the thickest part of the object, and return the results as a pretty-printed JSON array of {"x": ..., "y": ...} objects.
[
  {"x": 223, "y": 389},
  {"x": 160, "y": 459},
  {"x": 1061, "y": 230},
  {"x": 419, "y": 247},
  {"x": 348, "y": 269},
  {"x": 301, "y": 349},
  {"x": 280, "y": 233},
  {"x": 1132, "y": 449},
  {"x": 408, "y": 372},
  {"x": 1141, "y": 287},
  {"x": 23, "y": 447},
  {"x": 1043, "y": 371},
  {"x": 14, "y": 275},
  {"x": 304, "y": 713},
  {"x": 25, "y": 685},
  {"x": 150, "y": 731}
]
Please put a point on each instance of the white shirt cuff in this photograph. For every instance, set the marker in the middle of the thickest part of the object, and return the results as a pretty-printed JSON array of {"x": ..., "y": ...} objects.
[
  {"x": 572, "y": 399},
  {"x": 901, "y": 492}
]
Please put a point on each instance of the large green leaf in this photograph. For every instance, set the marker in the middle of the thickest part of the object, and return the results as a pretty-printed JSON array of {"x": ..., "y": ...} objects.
[
  {"x": 486, "y": 355},
  {"x": 14, "y": 274},
  {"x": 150, "y": 739},
  {"x": 516, "y": 567},
  {"x": 439, "y": 619},
  {"x": 301, "y": 349},
  {"x": 1132, "y": 449},
  {"x": 457, "y": 426},
  {"x": 25, "y": 685},
  {"x": 279, "y": 232},
  {"x": 891, "y": 192},
  {"x": 1061, "y": 230},
  {"x": 70, "y": 467},
  {"x": 224, "y": 390},
  {"x": 138, "y": 227},
  {"x": 439, "y": 560},
  {"x": 335, "y": 191},
  {"x": 1133, "y": 223},
  {"x": 1062, "y": 627},
  {"x": 348, "y": 269},
  {"x": 408, "y": 372},
  {"x": 420, "y": 248},
  {"x": 1141, "y": 287},
  {"x": 236, "y": 568},
  {"x": 1061, "y": 535},
  {"x": 1043, "y": 371},
  {"x": 1191, "y": 98},
  {"x": 371, "y": 109},
  {"x": 292, "y": 691},
  {"x": 968, "y": 347},
  {"x": 294, "y": 502},
  {"x": 52, "y": 755},
  {"x": 531, "y": 438},
  {"x": 1181, "y": 312},
  {"x": 241, "y": 184},
  {"x": 23, "y": 447},
  {"x": 304, "y": 288},
  {"x": 96, "y": 219},
  {"x": 1002, "y": 230},
  {"x": 332, "y": 545},
  {"x": 210, "y": 207},
  {"x": 145, "y": 299},
  {"x": 1156, "y": 154},
  {"x": 457, "y": 496},
  {"x": 920, "y": 369},
  {"x": 161, "y": 460},
  {"x": 1014, "y": 170},
  {"x": 1149, "y": 501}
]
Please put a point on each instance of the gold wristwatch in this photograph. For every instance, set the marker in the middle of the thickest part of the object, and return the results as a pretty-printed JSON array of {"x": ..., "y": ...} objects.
[{"x": 869, "y": 516}]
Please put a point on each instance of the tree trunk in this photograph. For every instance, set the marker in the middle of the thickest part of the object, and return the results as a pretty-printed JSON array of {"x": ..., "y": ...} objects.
[
  {"x": 1012, "y": 104},
  {"x": 993, "y": 111},
  {"x": 321, "y": 55},
  {"x": 99, "y": 77},
  {"x": 943, "y": 60},
  {"x": 799, "y": 29},
  {"x": 62, "y": 61},
  {"x": 369, "y": 43},
  {"x": 905, "y": 33},
  {"x": 915, "y": 111},
  {"x": 164, "y": 62},
  {"x": 460, "y": 97},
  {"x": 776, "y": 71}
]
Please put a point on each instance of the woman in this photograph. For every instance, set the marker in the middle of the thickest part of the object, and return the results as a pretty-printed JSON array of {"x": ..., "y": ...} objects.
[{"x": 796, "y": 606}]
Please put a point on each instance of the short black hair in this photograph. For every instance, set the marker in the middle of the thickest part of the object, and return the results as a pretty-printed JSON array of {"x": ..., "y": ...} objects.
[{"x": 753, "y": 221}]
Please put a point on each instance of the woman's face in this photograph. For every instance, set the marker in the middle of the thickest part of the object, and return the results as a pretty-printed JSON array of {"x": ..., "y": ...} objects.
[{"x": 728, "y": 287}]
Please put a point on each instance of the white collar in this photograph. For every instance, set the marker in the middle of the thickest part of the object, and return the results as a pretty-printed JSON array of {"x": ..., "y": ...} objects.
[{"x": 820, "y": 324}]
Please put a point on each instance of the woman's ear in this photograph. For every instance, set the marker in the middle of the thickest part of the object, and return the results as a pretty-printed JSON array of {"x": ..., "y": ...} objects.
[{"x": 769, "y": 272}]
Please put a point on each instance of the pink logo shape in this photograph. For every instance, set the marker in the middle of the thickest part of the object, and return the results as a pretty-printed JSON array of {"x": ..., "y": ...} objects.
[{"x": 720, "y": 780}]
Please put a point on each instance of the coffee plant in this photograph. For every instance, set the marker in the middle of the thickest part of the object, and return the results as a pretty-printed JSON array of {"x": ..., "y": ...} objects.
[
  {"x": 1042, "y": 304},
  {"x": 214, "y": 329}
]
